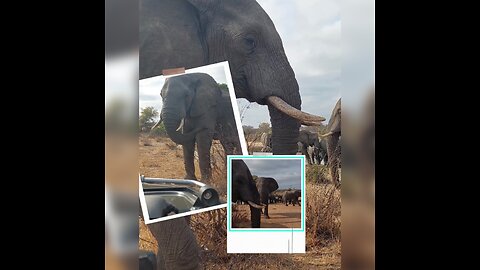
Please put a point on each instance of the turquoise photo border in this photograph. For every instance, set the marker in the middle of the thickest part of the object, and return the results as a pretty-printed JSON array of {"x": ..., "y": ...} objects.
[{"x": 229, "y": 203}]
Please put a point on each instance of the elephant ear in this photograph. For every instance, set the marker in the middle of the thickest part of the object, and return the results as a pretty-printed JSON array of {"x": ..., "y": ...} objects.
[
  {"x": 271, "y": 184},
  {"x": 207, "y": 95}
]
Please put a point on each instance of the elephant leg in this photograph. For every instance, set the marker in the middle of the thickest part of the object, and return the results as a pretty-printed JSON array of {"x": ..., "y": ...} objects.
[
  {"x": 177, "y": 245},
  {"x": 229, "y": 147},
  {"x": 188, "y": 160},
  {"x": 305, "y": 153},
  {"x": 204, "y": 143},
  {"x": 332, "y": 144},
  {"x": 266, "y": 211}
]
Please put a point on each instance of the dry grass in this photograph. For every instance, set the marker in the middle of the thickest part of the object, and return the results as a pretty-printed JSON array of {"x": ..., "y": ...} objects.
[
  {"x": 318, "y": 174},
  {"x": 239, "y": 217},
  {"x": 322, "y": 214},
  {"x": 322, "y": 217},
  {"x": 211, "y": 230}
]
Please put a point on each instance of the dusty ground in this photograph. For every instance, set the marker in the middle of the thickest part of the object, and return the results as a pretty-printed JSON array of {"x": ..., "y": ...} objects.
[
  {"x": 281, "y": 216},
  {"x": 162, "y": 158}
]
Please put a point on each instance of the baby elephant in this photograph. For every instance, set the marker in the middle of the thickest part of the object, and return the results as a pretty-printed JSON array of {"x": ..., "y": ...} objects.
[{"x": 291, "y": 196}]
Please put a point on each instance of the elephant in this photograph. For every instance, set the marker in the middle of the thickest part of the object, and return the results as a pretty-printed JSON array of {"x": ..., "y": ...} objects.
[
  {"x": 272, "y": 198},
  {"x": 333, "y": 141},
  {"x": 266, "y": 140},
  {"x": 291, "y": 196},
  {"x": 322, "y": 153},
  {"x": 193, "y": 33},
  {"x": 245, "y": 189},
  {"x": 306, "y": 139},
  {"x": 179, "y": 252},
  {"x": 265, "y": 186},
  {"x": 196, "y": 111},
  {"x": 177, "y": 245},
  {"x": 277, "y": 195}
]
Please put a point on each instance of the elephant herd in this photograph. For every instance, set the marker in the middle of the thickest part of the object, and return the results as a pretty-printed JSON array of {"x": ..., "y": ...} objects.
[
  {"x": 258, "y": 192},
  {"x": 318, "y": 148},
  {"x": 285, "y": 196}
]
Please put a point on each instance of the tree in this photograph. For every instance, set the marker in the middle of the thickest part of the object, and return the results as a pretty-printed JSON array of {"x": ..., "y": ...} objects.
[
  {"x": 264, "y": 127},
  {"x": 147, "y": 117},
  {"x": 249, "y": 130},
  {"x": 223, "y": 86}
]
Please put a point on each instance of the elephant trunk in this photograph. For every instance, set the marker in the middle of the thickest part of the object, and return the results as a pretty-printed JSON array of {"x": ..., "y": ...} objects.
[
  {"x": 285, "y": 129},
  {"x": 255, "y": 217},
  {"x": 279, "y": 90},
  {"x": 172, "y": 124}
]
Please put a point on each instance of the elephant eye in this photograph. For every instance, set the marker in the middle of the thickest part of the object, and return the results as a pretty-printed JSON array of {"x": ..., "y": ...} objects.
[{"x": 249, "y": 44}]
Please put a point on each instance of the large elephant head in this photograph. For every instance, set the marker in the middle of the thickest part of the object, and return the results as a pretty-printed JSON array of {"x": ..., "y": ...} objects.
[
  {"x": 244, "y": 189},
  {"x": 179, "y": 33},
  {"x": 265, "y": 186},
  {"x": 189, "y": 96}
]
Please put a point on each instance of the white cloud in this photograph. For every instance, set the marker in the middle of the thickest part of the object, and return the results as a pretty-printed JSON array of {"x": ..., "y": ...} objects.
[{"x": 311, "y": 36}]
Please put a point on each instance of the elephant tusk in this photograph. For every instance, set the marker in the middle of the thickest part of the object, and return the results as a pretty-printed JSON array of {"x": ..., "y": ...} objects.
[
  {"x": 181, "y": 124},
  {"x": 326, "y": 134},
  {"x": 252, "y": 204},
  {"x": 304, "y": 118},
  {"x": 158, "y": 123}
]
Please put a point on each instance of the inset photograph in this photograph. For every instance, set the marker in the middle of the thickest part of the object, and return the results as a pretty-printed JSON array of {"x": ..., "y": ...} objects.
[
  {"x": 267, "y": 192},
  {"x": 188, "y": 125}
]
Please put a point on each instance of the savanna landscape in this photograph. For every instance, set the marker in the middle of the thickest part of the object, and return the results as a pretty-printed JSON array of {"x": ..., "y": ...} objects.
[{"x": 160, "y": 157}]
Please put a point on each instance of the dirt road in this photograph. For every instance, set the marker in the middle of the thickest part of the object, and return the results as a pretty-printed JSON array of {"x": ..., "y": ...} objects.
[{"x": 281, "y": 216}]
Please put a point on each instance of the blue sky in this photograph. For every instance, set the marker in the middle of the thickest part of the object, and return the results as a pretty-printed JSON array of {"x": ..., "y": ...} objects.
[{"x": 287, "y": 172}]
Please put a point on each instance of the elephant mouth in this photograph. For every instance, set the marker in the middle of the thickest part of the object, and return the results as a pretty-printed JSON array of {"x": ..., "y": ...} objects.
[{"x": 306, "y": 119}]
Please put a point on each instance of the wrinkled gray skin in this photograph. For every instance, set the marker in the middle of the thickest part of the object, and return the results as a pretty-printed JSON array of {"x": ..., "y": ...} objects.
[
  {"x": 265, "y": 186},
  {"x": 208, "y": 115},
  {"x": 193, "y": 33},
  {"x": 291, "y": 196},
  {"x": 266, "y": 140},
  {"x": 177, "y": 245},
  {"x": 333, "y": 141},
  {"x": 244, "y": 189}
]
